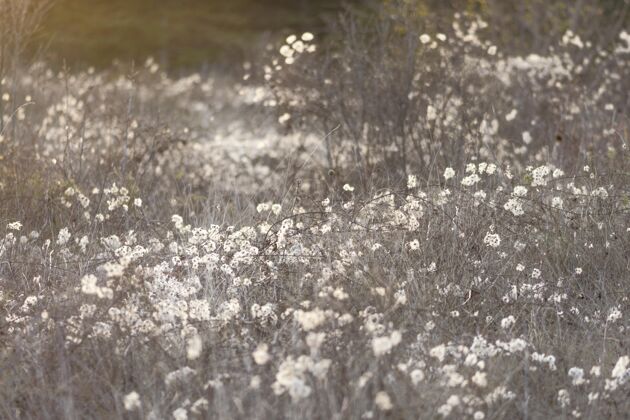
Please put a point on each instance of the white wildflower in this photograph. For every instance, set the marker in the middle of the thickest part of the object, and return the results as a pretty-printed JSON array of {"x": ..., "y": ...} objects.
[
  {"x": 511, "y": 115},
  {"x": 261, "y": 354},
  {"x": 383, "y": 345},
  {"x": 63, "y": 237},
  {"x": 131, "y": 401},
  {"x": 194, "y": 347},
  {"x": 492, "y": 240},
  {"x": 425, "y": 38},
  {"x": 564, "y": 398},
  {"x": 14, "y": 226},
  {"x": 480, "y": 379},
  {"x": 382, "y": 401},
  {"x": 577, "y": 376},
  {"x": 508, "y": 322}
]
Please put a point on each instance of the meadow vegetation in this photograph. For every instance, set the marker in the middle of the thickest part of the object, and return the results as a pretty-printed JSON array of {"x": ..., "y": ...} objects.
[{"x": 397, "y": 222}]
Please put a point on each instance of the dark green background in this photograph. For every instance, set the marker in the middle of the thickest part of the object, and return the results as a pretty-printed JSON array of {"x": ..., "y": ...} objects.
[
  {"x": 178, "y": 33},
  {"x": 192, "y": 34}
]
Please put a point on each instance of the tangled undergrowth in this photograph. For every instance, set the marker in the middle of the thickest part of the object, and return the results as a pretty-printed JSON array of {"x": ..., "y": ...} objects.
[{"x": 169, "y": 250}]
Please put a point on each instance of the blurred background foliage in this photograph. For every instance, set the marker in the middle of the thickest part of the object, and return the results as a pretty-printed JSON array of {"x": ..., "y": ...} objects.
[
  {"x": 178, "y": 33},
  {"x": 193, "y": 34},
  {"x": 524, "y": 25}
]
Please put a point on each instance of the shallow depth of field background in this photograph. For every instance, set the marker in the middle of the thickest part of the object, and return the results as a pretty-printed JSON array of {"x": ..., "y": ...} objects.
[
  {"x": 193, "y": 34},
  {"x": 183, "y": 34}
]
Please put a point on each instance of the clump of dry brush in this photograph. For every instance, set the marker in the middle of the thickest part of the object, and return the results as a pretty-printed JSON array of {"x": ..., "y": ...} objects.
[{"x": 454, "y": 247}]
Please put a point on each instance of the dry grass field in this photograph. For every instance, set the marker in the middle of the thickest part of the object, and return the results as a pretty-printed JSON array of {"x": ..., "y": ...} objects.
[{"x": 389, "y": 223}]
